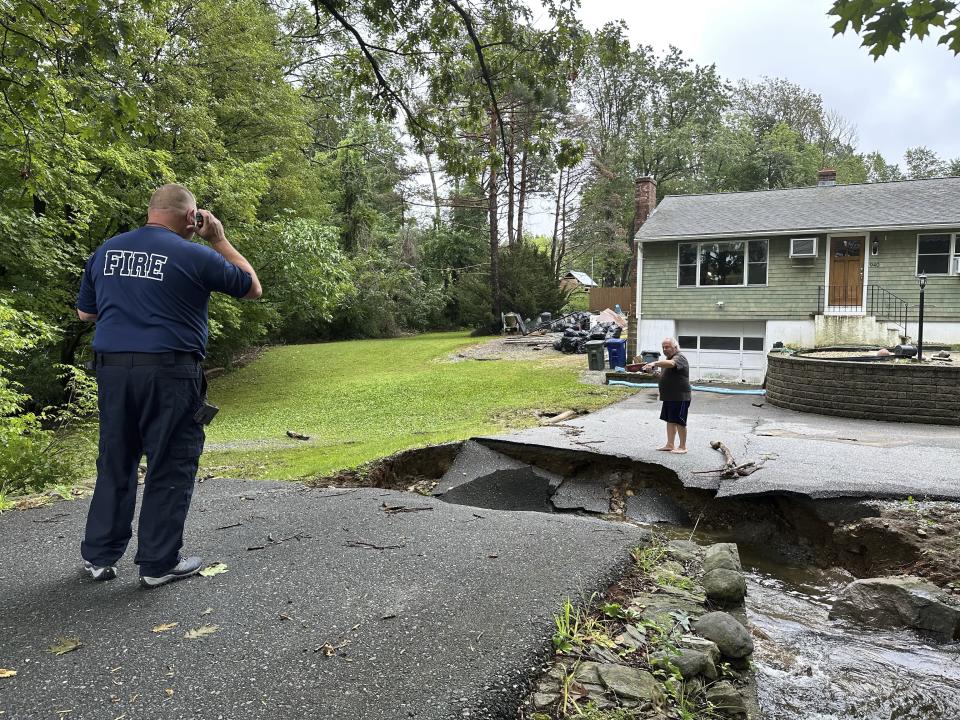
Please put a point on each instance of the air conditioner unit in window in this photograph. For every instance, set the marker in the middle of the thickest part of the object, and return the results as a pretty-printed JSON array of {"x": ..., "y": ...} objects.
[{"x": 803, "y": 247}]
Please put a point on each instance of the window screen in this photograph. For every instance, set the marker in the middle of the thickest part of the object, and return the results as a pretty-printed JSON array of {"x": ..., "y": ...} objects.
[
  {"x": 687, "y": 342},
  {"x": 752, "y": 343},
  {"x": 933, "y": 254}
]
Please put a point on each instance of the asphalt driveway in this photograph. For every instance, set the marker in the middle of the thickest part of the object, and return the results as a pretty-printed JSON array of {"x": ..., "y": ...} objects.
[
  {"x": 331, "y": 607},
  {"x": 809, "y": 455}
]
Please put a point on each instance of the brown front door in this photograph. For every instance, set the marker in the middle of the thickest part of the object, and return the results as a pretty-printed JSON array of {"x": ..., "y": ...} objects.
[{"x": 846, "y": 272}]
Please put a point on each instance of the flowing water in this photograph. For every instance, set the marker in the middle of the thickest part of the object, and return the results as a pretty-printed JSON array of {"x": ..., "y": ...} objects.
[{"x": 814, "y": 668}]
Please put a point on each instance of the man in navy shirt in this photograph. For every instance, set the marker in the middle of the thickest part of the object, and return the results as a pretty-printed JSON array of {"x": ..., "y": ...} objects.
[{"x": 148, "y": 290}]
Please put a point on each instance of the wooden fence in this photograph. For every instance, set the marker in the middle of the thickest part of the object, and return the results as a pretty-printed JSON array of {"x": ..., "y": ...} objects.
[{"x": 602, "y": 298}]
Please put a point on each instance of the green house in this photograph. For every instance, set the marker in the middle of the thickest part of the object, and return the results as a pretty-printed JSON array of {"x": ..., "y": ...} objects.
[{"x": 730, "y": 274}]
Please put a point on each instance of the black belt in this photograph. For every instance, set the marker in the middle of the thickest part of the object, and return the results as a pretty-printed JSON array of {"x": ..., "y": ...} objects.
[{"x": 130, "y": 359}]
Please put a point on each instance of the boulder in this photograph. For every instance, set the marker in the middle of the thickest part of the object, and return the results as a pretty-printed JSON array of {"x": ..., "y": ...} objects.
[
  {"x": 690, "y": 663},
  {"x": 725, "y": 587},
  {"x": 684, "y": 550},
  {"x": 670, "y": 566},
  {"x": 731, "y": 637},
  {"x": 727, "y": 700},
  {"x": 693, "y": 642},
  {"x": 900, "y": 601},
  {"x": 631, "y": 683},
  {"x": 721, "y": 555},
  {"x": 659, "y": 607}
]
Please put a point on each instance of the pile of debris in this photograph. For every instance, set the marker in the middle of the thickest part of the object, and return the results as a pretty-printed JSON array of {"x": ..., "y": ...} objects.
[{"x": 580, "y": 327}]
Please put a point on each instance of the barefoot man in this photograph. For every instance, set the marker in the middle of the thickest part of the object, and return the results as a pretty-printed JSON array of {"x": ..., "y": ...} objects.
[{"x": 674, "y": 393}]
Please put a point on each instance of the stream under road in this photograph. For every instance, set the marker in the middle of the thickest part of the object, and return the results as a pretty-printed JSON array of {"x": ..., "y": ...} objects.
[{"x": 815, "y": 668}]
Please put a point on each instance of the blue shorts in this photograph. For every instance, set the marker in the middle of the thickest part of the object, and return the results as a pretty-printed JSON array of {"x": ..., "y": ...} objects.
[{"x": 675, "y": 411}]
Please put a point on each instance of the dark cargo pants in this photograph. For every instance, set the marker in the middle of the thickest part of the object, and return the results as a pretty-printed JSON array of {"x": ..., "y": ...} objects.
[{"x": 145, "y": 409}]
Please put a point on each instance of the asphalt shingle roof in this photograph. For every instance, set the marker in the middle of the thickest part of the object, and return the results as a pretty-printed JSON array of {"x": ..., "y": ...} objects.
[{"x": 906, "y": 204}]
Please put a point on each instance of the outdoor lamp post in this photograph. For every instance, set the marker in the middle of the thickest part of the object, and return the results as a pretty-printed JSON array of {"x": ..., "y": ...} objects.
[{"x": 922, "y": 282}]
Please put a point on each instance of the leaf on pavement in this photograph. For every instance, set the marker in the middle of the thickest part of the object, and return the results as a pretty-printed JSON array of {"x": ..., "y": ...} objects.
[
  {"x": 164, "y": 627},
  {"x": 201, "y": 632},
  {"x": 5, "y": 673},
  {"x": 215, "y": 569},
  {"x": 63, "y": 645}
]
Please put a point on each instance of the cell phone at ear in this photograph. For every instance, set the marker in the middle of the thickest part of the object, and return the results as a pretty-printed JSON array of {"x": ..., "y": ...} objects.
[{"x": 197, "y": 219}]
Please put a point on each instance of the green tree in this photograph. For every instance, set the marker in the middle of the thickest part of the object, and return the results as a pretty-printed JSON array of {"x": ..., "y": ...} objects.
[
  {"x": 922, "y": 163},
  {"x": 886, "y": 24}
]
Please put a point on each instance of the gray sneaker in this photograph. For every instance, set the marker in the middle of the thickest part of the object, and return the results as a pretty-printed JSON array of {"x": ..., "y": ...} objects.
[
  {"x": 106, "y": 572},
  {"x": 185, "y": 568}
]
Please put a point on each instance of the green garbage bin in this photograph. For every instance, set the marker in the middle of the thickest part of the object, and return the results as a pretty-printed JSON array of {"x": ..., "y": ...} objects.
[{"x": 595, "y": 359}]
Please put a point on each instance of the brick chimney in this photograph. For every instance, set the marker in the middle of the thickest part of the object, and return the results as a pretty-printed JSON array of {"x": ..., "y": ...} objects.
[
  {"x": 645, "y": 200},
  {"x": 826, "y": 177}
]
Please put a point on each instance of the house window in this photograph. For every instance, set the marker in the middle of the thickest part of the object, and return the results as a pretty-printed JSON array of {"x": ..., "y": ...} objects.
[
  {"x": 716, "y": 342},
  {"x": 722, "y": 264},
  {"x": 687, "y": 264},
  {"x": 933, "y": 254}
]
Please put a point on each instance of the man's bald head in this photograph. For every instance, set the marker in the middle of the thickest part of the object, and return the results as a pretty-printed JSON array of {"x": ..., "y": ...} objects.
[
  {"x": 172, "y": 206},
  {"x": 173, "y": 197}
]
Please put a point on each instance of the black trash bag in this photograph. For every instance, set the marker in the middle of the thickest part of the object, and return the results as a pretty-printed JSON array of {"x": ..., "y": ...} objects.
[
  {"x": 558, "y": 345},
  {"x": 570, "y": 332},
  {"x": 617, "y": 332}
]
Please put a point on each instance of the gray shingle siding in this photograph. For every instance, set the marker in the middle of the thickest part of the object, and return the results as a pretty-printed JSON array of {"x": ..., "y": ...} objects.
[{"x": 906, "y": 204}]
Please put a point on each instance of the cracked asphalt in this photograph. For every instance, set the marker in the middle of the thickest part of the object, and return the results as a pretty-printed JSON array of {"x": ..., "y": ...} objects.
[
  {"x": 807, "y": 455},
  {"x": 331, "y": 608}
]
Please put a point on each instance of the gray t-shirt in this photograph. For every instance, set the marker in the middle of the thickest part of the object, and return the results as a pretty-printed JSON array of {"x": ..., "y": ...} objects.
[{"x": 675, "y": 382}]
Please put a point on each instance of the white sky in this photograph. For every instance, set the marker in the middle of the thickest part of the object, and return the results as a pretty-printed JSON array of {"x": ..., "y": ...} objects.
[{"x": 906, "y": 98}]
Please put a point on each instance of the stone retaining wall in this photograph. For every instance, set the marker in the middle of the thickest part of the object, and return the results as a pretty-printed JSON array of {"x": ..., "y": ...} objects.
[{"x": 904, "y": 392}]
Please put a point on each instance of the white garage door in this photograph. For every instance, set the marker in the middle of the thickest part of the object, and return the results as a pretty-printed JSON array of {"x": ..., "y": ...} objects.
[{"x": 723, "y": 350}]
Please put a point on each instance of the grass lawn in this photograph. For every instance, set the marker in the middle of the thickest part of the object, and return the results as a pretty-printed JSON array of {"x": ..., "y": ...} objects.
[{"x": 364, "y": 399}]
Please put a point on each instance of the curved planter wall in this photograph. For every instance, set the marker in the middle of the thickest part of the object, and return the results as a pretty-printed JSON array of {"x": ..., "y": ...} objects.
[{"x": 867, "y": 390}]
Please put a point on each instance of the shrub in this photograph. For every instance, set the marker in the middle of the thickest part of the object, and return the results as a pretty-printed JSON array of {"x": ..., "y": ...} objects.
[{"x": 33, "y": 453}]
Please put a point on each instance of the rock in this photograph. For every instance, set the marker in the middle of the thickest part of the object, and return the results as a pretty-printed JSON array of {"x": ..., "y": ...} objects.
[
  {"x": 588, "y": 672},
  {"x": 900, "y": 601},
  {"x": 658, "y": 607},
  {"x": 725, "y": 587},
  {"x": 725, "y": 698},
  {"x": 694, "y": 595},
  {"x": 722, "y": 555},
  {"x": 631, "y": 683},
  {"x": 544, "y": 700},
  {"x": 690, "y": 663},
  {"x": 702, "y": 644},
  {"x": 731, "y": 637},
  {"x": 670, "y": 566},
  {"x": 684, "y": 550},
  {"x": 632, "y": 638}
]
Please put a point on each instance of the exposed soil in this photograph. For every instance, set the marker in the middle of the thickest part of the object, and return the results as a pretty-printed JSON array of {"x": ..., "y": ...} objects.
[
  {"x": 865, "y": 537},
  {"x": 510, "y": 348}
]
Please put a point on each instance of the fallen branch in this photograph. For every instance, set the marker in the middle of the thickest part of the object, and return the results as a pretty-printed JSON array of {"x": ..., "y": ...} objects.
[
  {"x": 394, "y": 509},
  {"x": 565, "y": 415},
  {"x": 731, "y": 470},
  {"x": 372, "y": 546}
]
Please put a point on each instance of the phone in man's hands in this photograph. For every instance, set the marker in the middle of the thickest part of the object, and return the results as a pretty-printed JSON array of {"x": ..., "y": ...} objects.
[{"x": 197, "y": 219}]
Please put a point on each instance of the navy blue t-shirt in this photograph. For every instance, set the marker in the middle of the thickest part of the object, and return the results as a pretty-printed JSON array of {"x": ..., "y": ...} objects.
[{"x": 150, "y": 288}]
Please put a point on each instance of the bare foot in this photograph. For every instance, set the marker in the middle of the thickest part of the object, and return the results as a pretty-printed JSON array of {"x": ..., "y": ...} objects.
[
  {"x": 666, "y": 448},
  {"x": 679, "y": 451}
]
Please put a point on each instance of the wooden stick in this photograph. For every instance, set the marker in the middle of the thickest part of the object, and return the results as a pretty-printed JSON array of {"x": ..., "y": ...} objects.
[
  {"x": 730, "y": 463},
  {"x": 565, "y": 415}
]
